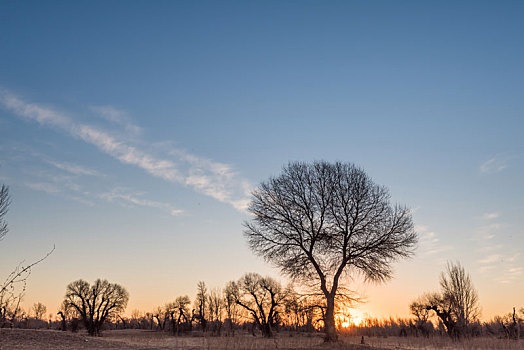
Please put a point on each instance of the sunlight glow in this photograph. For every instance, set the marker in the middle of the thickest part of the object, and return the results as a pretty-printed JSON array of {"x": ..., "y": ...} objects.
[{"x": 351, "y": 318}]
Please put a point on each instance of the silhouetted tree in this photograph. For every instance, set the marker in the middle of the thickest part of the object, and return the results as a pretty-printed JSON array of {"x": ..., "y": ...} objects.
[
  {"x": 65, "y": 313},
  {"x": 421, "y": 312},
  {"x": 161, "y": 315},
  {"x": 97, "y": 303},
  {"x": 300, "y": 310},
  {"x": 231, "y": 307},
  {"x": 201, "y": 304},
  {"x": 4, "y": 207},
  {"x": 509, "y": 325},
  {"x": 179, "y": 314},
  {"x": 39, "y": 310},
  {"x": 13, "y": 287},
  {"x": 322, "y": 220},
  {"x": 262, "y": 297},
  {"x": 215, "y": 305},
  {"x": 457, "y": 304}
]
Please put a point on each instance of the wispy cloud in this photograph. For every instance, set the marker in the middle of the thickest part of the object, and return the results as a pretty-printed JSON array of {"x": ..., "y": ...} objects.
[
  {"x": 121, "y": 196},
  {"x": 214, "y": 179},
  {"x": 116, "y": 116},
  {"x": 430, "y": 243},
  {"x": 60, "y": 185},
  {"x": 494, "y": 165},
  {"x": 490, "y": 259},
  {"x": 500, "y": 261},
  {"x": 511, "y": 274},
  {"x": 43, "y": 187},
  {"x": 490, "y": 216},
  {"x": 74, "y": 168},
  {"x": 487, "y": 232}
]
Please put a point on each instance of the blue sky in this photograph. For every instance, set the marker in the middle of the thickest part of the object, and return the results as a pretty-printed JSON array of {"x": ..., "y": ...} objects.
[{"x": 132, "y": 133}]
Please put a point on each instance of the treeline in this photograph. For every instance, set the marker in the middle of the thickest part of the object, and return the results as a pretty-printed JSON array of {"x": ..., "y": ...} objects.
[
  {"x": 508, "y": 326},
  {"x": 253, "y": 304}
]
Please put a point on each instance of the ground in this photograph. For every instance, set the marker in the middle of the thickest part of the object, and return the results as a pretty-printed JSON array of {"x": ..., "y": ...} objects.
[{"x": 22, "y": 339}]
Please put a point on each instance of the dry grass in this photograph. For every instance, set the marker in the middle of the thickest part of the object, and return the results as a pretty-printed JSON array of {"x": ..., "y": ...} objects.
[
  {"x": 480, "y": 343},
  {"x": 23, "y": 339}
]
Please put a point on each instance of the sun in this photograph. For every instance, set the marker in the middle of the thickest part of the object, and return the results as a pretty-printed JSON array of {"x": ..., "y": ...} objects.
[
  {"x": 356, "y": 320},
  {"x": 351, "y": 318}
]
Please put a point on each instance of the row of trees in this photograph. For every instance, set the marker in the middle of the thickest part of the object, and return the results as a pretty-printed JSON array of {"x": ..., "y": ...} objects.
[
  {"x": 257, "y": 302},
  {"x": 319, "y": 223},
  {"x": 508, "y": 326},
  {"x": 261, "y": 301}
]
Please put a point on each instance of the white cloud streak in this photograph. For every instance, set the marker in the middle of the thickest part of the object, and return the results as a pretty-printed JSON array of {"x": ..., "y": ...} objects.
[
  {"x": 43, "y": 187},
  {"x": 490, "y": 216},
  {"x": 74, "y": 169},
  {"x": 134, "y": 199},
  {"x": 216, "y": 180},
  {"x": 495, "y": 258},
  {"x": 490, "y": 259},
  {"x": 116, "y": 116},
  {"x": 429, "y": 242},
  {"x": 494, "y": 165}
]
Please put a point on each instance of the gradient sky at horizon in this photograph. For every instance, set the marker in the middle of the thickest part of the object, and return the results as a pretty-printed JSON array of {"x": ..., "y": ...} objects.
[{"x": 133, "y": 132}]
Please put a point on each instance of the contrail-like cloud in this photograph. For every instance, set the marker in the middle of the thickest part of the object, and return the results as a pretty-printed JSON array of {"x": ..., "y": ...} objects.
[
  {"x": 214, "y": 179},
  {"x": 134, "y": 199}
]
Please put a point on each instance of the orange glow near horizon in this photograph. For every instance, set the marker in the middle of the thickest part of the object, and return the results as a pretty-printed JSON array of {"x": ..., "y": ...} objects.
[{"x": 351, "y": 318}]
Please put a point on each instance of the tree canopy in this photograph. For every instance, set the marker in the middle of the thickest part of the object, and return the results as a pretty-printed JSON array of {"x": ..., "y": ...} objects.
[
  {"x": 321, "y": 220},
  {"x": 96, "y": 303}
]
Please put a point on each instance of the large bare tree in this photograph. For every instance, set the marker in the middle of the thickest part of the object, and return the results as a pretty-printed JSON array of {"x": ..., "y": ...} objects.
[
  {"x": 322, "y": 220},
  {"x": 96, "y": 303}
]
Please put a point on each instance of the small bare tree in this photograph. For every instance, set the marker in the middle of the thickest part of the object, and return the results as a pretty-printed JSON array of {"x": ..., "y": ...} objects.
[
  {"x": 421, "y": 312},
  {"x": 457, "y": 304},
  {"x": 215, "y": 306},
  {"x": 161, "y": 315},
  {"x": 96, "y": 303},
  {"x": 231, "y": 307},
  {"x": 321, "y": 221},
  {"x": 13, "y": 288},
  {"x": 262, "y": 297},
  {"x": 456, "y": 285},
  {"x": 201, "y": 304},
  {"x": 178, "y": 312},
  {"x": 4, "y": 207},
  {"x": 39, "y": 310}
]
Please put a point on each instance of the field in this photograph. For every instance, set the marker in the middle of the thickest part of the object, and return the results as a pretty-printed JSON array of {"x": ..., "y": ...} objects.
[{"x": 141, "y": 339}]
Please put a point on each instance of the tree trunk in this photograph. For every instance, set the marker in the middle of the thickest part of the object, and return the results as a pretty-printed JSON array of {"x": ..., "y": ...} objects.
[
  {"x": 329, "y": 320},
  {"x": 91, "y": 330},
  {"x": 265, "y": 327}
]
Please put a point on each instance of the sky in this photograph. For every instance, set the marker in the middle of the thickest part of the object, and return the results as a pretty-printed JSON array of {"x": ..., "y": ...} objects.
[{"x": 132, "y": 134}]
